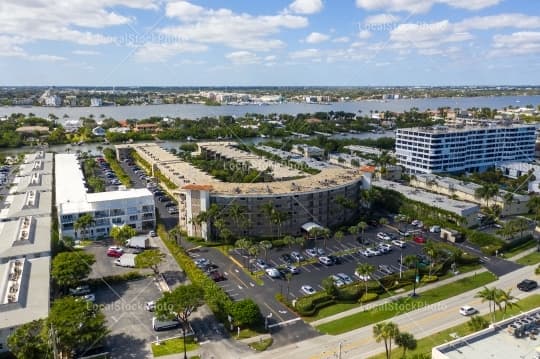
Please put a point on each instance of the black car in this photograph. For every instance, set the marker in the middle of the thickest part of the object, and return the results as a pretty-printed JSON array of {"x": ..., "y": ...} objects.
[
  {"x": 287, "y": 258},
  {"x": 527, "y": 285},
  {"x": 335, "y": 259}
]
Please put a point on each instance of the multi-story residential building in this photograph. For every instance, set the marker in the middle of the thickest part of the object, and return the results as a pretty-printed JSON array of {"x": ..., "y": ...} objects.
[
  {"x": 134, "y": 207},
  {"x": 53, "y": 101},
  {"x": 444, "y": 149},
  {"x": 328, "y": 198},
  {"x": 96, "y": 102},
  {"x": 25, "y": 246}
]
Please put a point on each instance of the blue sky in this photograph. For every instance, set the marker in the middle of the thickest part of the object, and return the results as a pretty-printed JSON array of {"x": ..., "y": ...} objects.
[{"x": 294, "y": 42}]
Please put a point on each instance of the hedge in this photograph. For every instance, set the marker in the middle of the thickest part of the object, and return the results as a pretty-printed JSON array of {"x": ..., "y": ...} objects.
[
  {"x": 110, "y": 156},
  {"x": 308, "y": 306},
  {"x": 429, "y": 279},
  {"x": 368, "y": 297}
]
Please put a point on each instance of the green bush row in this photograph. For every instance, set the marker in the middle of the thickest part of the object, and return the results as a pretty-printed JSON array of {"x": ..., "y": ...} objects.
[
  {"x": 368, "y": 297},
  {"x": 308, "y": 306},
  {"x": 110, "y": 156}
]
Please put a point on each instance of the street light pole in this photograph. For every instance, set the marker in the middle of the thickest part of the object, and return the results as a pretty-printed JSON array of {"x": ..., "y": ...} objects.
[
  {"x": 401, "y": 262},
  {"x": 415, "y": 277},
  {"x": 339, "y": 352}
]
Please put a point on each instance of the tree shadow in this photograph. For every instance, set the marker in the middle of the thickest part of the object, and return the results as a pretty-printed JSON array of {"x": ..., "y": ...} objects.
[{"x": 126, "y": 346}]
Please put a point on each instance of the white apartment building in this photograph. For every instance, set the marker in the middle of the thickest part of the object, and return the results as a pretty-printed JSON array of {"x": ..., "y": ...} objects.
[
  {"x": 443, "y": 149},
  {"x": 96, "y": 102},
  {"x": 134, "y": 207}
]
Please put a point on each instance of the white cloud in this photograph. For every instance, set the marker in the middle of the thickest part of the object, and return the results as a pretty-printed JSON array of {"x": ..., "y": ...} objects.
[
  {"x": 50, "y": 58},
  {"x": 426, "y": 35},
  {"x": 270, "y": 58},
  {"x": 86, "y": 52},
  {"x": 224, "y": 27},
  {"x": 243, "y": 58},
  {"x": 316, "y": 37},
  {"x": 342, "y": 39},
  {"x": 364, "y": 34},
  {"x": 155, "y": 52},
  {"x": 306, "y": 7},
  {"x": 517, "y": 43},
  {"x": 381, "y": 19},
  {"x": 304, "y": 54},
  {"x": 183, "y": 10},
  {"x": 422, "y": 6},
  {"x": 515, "y": 20}
]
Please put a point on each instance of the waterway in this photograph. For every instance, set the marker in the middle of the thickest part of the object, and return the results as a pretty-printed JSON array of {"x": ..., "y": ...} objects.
[{"x": 194, "y": 111}]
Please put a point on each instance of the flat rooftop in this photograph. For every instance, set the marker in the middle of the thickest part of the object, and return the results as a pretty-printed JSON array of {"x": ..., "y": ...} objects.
[
  {"x": 40, "y": 161},
  {"x": 446, "y": 129},
  {"x": 35, "y": 181},
  {"x": 365, "y": 149},
  {"x": 438, "y": 201},
  {"x": 295, "y": 158},
  {"x": 32, "y": 302},
  {"x": 465, "y": 187},
  {"x": 31, "y": 203},
  {"x": 491, "y": 343},
  {"x": 259, "y": 163},
  {"x": 25, "y": 236}
]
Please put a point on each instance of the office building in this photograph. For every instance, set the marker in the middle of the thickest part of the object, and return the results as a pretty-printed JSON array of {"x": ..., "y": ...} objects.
[
  {"x": 468, "y": 149},
  {"x": 134, "y": 207}
]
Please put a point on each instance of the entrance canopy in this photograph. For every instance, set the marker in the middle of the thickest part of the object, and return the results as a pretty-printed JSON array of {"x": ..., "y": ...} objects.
[{"x": 309, "y": 226}]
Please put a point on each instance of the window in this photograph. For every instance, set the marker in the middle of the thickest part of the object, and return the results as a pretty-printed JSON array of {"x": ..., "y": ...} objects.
[{"x": 133, "y": 218}]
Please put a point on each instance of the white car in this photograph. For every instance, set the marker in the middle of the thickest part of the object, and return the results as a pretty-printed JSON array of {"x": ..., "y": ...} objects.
[
  {"x": 366, "y": 253},
  {"x": 201, "y": 262},
  {"x": 384, "y": 247},
  {"x": 311, "y": 252},
  {"x": 435, "y": 229},
  {"x": 345, "y": 278},
  {"x": 297, "y": 256},
  {"x": 326, "y": 261},
  {"x": 320, "y": 251},
  {"x": 273, "y": 272},
  {"x": 88, "y": 297},
  {"x": 337, "y": 280},
  {"x": 415, "y": 222},
  {"x": 398, "y": 243},
  {"x": 383, "y": 236},
  {"x": 467, "y": 310},
  {"x": 307, "y": 289},
  {"x": 150, "y": 306},
  {"x": 373, "y": 252},
  {"x": 362, "y": 277}
]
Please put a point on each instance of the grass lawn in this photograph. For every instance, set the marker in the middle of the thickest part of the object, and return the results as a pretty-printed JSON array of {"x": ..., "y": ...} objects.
[
  {"x": 405, "y": 304},
  {"x": 530, "y": 259},
  {"x": 173, "y": 346},
  {"x": 342, "y": 307},
  {"x": 261, "y": 345},
  {"x": 425, "y": 344}
]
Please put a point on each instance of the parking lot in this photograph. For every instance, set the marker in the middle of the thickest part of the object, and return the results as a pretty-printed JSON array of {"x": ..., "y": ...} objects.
[{"x": 129, "y": 322}]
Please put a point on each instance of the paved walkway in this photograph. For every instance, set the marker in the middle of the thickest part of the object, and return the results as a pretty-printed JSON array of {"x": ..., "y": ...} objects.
[
  {"x": 523, "y": 254},
  {"x": 395, "y": 297}
]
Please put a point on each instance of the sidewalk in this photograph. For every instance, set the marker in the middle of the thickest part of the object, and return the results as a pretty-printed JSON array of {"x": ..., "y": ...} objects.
[
  {"x": 395, "y": 297},
  {"x": 522, "y": 254}
]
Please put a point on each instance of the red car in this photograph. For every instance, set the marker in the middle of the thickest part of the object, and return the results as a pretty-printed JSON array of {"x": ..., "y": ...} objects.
[
  {"x": 419, "y": 239},
  {"x": 115, "y": 252}
]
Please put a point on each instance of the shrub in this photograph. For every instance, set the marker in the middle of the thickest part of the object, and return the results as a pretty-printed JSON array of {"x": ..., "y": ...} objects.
[
  {"x": 350, "y": 293},
  {"x": 278, "y": 243},
  {"x": 308, "y": 306},
  {"x": 368, "y": 297},
  {"x": 429, "y": 279}
]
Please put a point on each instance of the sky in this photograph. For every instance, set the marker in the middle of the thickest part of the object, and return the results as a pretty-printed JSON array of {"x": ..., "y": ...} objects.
[{"x": 274, "y": 43}]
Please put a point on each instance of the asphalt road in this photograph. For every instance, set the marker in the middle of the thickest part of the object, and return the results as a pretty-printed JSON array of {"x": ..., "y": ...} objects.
[{"x": 421, "y": 323}]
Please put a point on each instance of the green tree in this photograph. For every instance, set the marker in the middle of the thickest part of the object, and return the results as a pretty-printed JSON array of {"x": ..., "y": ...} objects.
[
  {"x": 338, "y": 236},
  {"x": 245, "y": 313},
  {"x": 29, "y": 341},
  {"x": 150, "y": 258},
  {"x": 386, "y": 332},
  {"x": 76, "y": 325},
  {"x": 238, "y": 215},
  {"x": 486, "y": 192},
  {"x": 353, "y": 230},
  {"x": 82, "y": 223},
  {"x": 504, "y": 300},
  {"x": 329, "y": 287},
  {"x": 431, "y": 250},
  {"x": 488, "y": 295},
  {"x": 288, "y": 240},
  {"x": 70, "y": 268},
  {"x": 266, "y": 246},
  {"x": 362, "y": 227},
  {"x": 534, "y": 206},
  {"x": 406, "y": 341},
  {"x": 244, "y": 244},
  {"x": 365, "y": 269},
  {"x": 121, "y": 234},
  {"x": 383, "y": 221},
  {"x": 477, "y": 323},
  {"x": 180, "y": 304}
]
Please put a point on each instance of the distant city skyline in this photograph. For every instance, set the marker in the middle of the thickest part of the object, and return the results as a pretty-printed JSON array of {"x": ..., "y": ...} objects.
[{"x": 277, "y": 43}]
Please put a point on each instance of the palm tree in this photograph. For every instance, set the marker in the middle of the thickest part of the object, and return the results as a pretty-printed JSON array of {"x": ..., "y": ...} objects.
[
  {"x": 365, "y": 270},
  {"x": 338, "y": 236},
  {"x": 362, "y": 226},
  {"x": 354, "y": 230},
  {"x": 432, "y": 252},
  {"x": 325, "y": 232},
  {"x": 486, "y": 192},
  {"x": 383, "y": 221},
  {"x": 82, "y": 223},
  {"x": 244, "y": 244},
  {"x": 238, "y": 215},
  {"x": 386, "y": 332},
  {"x": 175, "y": 233},
  {"x": 489, "y": 295},
  {"x": 265, "y": 245},
  {"x": 504, "y": 300},
  {"x": 407, "y": 341},
  {"x": 254, "y": 251},
  {"x": 288, "y": 240},
  {"x": 269, "y": 209},
  {"x": 534, "y": 206},
  {"x": 288, "y": 277}
]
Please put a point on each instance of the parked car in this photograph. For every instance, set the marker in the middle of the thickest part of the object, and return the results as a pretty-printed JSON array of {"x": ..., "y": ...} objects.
[
  {"x": 362, "y": 277},
  {"x": 152, "y": 233},
  {"x": 374, "y": 252},
  {"x": 335, "y": 259},
  {"x": 383, "y": 236},
  {"x": 345, "y": 278},
  {"x": 398, "y": 243},
  {"x": 311, "y": 252},
  {"x": 150, "y": 306},
  {"x": 385, "y": 269},
  {"x": 287, "y": 258},
  {"x": 404, "y": 233},
  {"x": 201, "y": 262},
  {"x": 297, "y": 256},
  {"x": 384, "y": 248},
  {"x": 89, "y": 298},
  {"x": 292, "y": 269},
  {"x": 435, "y": 229},
  {"x": 81, "y": 290},
  {"x": 307, "y": 289},
  {"x": 261, "y": 264},
  {"x": 419, "y": 239},
  {"x": 527, "y": 285},
  {"x": 115, "y": 251},
  {"x": 217, "y": 276},
  {"x": 337, "y": 280},
  {"x": 170, "y": 204},
  {"x": 325, "y": 260},
  {"x": 365, "y": 253},
  {"x": 273, "y": 272},
  {"x": 320, "y": 251},
  {"x": 467, "y": 310}
]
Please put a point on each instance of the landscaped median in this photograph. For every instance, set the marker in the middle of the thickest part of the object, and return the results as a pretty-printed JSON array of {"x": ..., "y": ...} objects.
[
  {"x": 530, "y": 259},
  {"x": 405, "y": 304},
  {"x": 424, "y": 345},
  {"x": 173, "y": 346},
  {"x": 110, "y": 156}
]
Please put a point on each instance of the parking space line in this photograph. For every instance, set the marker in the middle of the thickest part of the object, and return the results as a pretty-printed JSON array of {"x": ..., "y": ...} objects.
[{"x": 306, "y": 269}]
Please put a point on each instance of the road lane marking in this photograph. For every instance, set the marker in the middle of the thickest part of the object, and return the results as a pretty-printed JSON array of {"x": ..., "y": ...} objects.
[{"x": 272, "y": 310}]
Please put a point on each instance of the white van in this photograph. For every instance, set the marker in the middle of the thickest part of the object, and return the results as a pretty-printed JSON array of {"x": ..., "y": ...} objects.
[{"x": 435, "y": 229}]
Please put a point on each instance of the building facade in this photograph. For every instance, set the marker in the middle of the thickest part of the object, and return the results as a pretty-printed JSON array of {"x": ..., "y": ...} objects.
[
  {"x": 132, "y": 207},
  {"x": 443, "y": 149}
]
